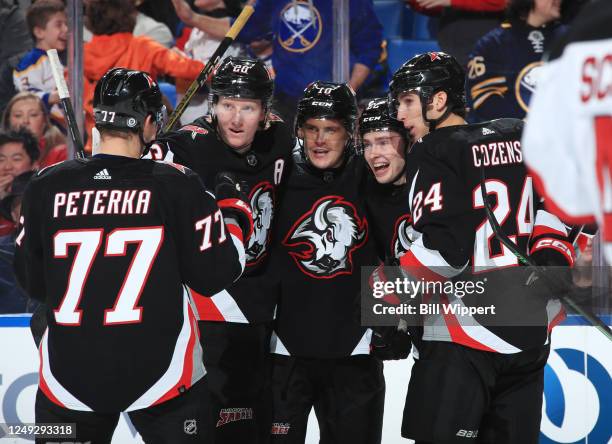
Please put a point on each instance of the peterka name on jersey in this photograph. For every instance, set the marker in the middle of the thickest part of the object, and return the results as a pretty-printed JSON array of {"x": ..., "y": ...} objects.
[
  {"x": 101, "y": 202},
  {"x": 323, "y": 240}
]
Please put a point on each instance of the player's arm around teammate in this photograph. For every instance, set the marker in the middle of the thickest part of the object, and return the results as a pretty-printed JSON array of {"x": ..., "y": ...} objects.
[
  {"x": 384, "y": 143},
  {"x": 243, "y": 136}
]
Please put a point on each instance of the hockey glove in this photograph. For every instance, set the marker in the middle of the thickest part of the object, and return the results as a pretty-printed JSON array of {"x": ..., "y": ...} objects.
[
  {"x": 390, "y": 343},
  {"x": 556, "y": 256},
  {"x": 233, "y": 201}
]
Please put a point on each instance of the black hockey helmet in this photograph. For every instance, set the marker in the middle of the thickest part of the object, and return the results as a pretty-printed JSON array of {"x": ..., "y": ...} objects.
[
  {"x": 375, "y": 117},
  {"x": 328, "y": 100},
  {"x": 124, "y": 98},
  {"x": 242, "y": 77},
  {"x": 426, "y": 74}
]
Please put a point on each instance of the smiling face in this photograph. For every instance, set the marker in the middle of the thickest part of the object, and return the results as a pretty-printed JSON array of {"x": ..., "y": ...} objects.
[
  {"x": 547, "y": 10},
  {"x": 324, "y": 142},
  {"x": 14, "y": 159},
  {"x": 384, "y": 152},
  {"x": 54, "y": 34},
  {"x": 28, "y": 113},
  {"x": 238, "y": 120}
]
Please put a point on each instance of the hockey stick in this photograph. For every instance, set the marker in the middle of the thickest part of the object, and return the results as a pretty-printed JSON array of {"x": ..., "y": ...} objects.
[
  {"x": 202, "y": 78},
  {"x": 540, "y": 271},
  {"x": 62, "y": 89}
]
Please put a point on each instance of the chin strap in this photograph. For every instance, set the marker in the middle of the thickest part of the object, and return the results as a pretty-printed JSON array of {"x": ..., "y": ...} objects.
[{"x": 433, "y": 123}]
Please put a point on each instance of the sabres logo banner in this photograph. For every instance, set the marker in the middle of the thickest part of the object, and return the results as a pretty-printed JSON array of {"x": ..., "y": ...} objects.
[{"x": 300, "y": 27}]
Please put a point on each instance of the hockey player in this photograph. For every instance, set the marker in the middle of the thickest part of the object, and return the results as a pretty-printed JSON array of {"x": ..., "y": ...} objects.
[
  {"x": 243, "y": 136},
  {"x": 474, "y": 378},
  {"x": 568, "y": 152},
  {"x": 385, "y": 144},
  {"x": 108, "y": 244},
  {"x": 321, "y": 352}
]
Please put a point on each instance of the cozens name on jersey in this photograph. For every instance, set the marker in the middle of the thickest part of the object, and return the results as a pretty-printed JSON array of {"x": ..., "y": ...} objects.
[
  {"x": 101, "y": 202},
  {"x": 497, "y": 153}
]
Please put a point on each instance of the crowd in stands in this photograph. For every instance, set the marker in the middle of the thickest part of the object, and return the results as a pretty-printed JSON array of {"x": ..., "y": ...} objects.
[{"x": 500, "y": 43}]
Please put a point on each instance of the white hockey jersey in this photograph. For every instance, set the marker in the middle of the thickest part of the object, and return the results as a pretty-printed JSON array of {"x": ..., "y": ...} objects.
[{"x": 567, "y": 142}]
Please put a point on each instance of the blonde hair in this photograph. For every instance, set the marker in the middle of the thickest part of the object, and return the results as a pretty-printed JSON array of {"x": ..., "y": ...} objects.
[{"x": 51, "y": 134}]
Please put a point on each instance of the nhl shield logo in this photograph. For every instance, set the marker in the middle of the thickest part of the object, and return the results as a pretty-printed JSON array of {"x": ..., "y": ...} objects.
[
  {"x": 190, "y": 426},
  {"x": 323, "y": 240},
  {"x": 300, "y": 27}
]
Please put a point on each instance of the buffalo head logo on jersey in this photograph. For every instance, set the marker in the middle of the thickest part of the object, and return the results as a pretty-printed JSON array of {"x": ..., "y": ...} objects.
[
  {"x": 323, "y": 240},
  {"x": 262, "y": 204},
  {"x": 403, "y": 236}
]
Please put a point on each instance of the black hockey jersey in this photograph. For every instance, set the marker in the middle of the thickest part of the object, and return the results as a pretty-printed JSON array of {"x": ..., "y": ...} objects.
[
  {"x": 389, "y": 216},
  {"x": 108, "y": 243},
  {"x": 455, "y": 240},
  {"x": 263, "y": 167},
  {"x": 324, "y": 240}
]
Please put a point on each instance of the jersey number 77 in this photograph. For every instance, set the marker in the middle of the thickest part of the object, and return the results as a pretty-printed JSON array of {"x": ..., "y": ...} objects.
[{"x": 87, "y": 243}]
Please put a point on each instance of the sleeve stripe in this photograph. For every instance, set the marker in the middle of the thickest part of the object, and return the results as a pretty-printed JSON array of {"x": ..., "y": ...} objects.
[
  {"x": 546, "y": 219},
  {"x": 238, "y": 205},
  {"x": 412, "y": 266},
  {"x": 235, "y": 230},
  {"x": 429, "y": 263},
  {"x": 543, "y": 230},
  {"x": 233, "y": 203},
  {"x": 555, "y": 313},
  {"x": 227, "y": 306},
  {"x": 237, "y": 240}
]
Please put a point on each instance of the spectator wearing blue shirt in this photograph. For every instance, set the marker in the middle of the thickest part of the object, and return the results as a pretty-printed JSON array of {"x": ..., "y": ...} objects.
[
  {"x": 303, "y": 42},
  {"x": 502, "y": 72}
]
